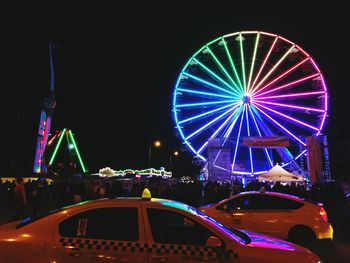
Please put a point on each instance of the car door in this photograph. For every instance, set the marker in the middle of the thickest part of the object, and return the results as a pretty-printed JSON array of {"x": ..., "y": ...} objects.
[
  {"x": 112, "y": 234},
  {"x": 275, "y": 215},
  {"x": 238, "y": 212},
  {"x": 174, "y": 237}
]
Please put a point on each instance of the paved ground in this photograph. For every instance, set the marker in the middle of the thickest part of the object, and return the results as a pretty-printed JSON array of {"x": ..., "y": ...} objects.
[{"x": 336, "y": 251}]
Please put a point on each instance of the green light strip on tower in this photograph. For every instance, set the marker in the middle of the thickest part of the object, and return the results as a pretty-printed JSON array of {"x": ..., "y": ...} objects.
[
  {"x": 57, "y": 146},
  {"x": 76, "y": 149},
  {"x": 223, "y": 69}
]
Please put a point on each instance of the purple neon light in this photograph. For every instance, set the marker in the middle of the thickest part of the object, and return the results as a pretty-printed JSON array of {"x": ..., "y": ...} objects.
[
  {"x": 289, "y": 106},
  {"x": 288, "y": 117},
  {"x": 286, "y": 85},
  {"x": 301, "y": 94}
]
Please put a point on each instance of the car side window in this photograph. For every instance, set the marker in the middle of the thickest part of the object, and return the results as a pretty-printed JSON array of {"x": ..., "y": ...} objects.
[
  {"x": 238, "y": 203},
  {"x": 279, "y": 203},
  {"x": 174, "y": 228},
  {"x": 115, "y": 223}
]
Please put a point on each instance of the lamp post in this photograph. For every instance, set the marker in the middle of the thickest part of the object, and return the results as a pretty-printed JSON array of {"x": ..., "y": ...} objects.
[
  {"x": 155, "y": 144},
  {"x": 175, "y": 154}
]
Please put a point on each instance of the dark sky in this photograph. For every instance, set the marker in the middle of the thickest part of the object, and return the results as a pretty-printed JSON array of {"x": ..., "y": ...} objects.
[{"x": 117, "y": 67}]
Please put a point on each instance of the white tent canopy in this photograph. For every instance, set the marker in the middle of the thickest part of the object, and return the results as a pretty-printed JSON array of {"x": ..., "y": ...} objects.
[{"x": 277, "y": 173}]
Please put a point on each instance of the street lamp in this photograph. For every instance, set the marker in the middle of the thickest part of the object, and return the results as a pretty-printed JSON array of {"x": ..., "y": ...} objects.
[
  {"x": 175, "y": 154},
  {"x": 155, "y": 144}
]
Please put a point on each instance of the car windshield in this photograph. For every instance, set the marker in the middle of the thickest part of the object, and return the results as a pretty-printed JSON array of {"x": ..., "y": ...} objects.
[
  {"x": 236, "y": 234},
  {"x": 31, "y": 219}
]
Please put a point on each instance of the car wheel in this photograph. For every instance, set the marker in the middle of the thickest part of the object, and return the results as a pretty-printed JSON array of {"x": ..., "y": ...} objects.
[{"x": 301, "y": 235}]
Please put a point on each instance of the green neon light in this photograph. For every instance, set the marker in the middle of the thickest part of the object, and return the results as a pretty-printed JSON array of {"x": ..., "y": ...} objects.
[
  {"x": 223, "y": 69},
  {"x": 57, "y": 146},
  {"x": 77, "y": 151},
  {"x": 212, "y": 73},
  {"x": 242, "y": 58},
  {"x": 253, "y": 61},
  {"x": 232, "y": 64}
]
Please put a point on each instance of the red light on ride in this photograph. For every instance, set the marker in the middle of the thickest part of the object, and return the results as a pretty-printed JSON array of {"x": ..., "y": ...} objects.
[{"x": 323, "y": 214}]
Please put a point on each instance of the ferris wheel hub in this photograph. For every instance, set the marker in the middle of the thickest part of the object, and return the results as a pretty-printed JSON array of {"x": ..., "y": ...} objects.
[{"x": 246, "y": 99}]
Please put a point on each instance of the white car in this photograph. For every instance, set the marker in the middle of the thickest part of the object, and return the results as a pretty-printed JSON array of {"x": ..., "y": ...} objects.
[{"x": 138, "y": 230}]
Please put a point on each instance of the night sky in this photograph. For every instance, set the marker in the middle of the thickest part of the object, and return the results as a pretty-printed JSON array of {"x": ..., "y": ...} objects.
[{"x": 117, "y": 66}]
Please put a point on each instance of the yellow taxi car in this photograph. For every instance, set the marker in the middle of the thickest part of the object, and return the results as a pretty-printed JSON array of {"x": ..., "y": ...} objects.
[
  {"x": 281, "y": 215},
  {"x": 138, "y": 230}
]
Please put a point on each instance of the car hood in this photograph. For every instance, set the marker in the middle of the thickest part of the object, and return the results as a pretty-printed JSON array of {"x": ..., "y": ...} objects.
[{"x": 265, "y": 241}]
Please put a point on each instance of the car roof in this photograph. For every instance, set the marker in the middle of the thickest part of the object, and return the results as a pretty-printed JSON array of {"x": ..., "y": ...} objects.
[
  {"x": 283, "y": 195},
  {"x": 131, "y": 201}
]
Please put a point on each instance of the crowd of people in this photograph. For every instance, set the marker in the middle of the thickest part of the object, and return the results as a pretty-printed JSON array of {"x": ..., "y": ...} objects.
[{"x": 36, "y": 196}]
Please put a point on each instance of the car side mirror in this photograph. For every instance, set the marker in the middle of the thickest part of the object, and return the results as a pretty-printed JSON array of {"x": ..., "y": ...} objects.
[{"x": 213, "y": 242}]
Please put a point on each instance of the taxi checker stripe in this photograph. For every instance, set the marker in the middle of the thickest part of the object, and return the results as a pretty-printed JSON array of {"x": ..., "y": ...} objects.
[{"x": 181, "y": 250}]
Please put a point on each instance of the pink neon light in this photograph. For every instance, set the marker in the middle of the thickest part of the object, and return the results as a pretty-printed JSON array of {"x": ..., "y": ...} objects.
[
  {"x": 286, "y": 85},
  {"x": 285, "y": 73},
  {"x": 290, "y": 106},
  {"x": 268, "y": 34},
  {"x": 291, "y": 95},
  {"x": 288, "y": 117},
  {"x": 288, "y": 41},
  {"x": 302, "y": 50},
  {"x": 325, "y": 89},
  {"x": 263, "y": 64},
  {"x": 313, "y": 62}
]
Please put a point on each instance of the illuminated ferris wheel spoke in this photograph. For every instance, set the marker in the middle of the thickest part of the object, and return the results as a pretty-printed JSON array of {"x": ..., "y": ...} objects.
[
  {"x": 228, "y": 132},
  {"x": 284, "y": 74},
  {"x": 208, "y": 124},
  {"x": 287, "y": 117},
  {"x": 222, "y": 68},
  {"x": 263, "y": 64},
  {"x": 282, "y": 152},
  {"x": 253, "y": 60},
  {"x": 203, "y": 93},
  {"x": 232, "y": 64},
  {"x": 284, "y": 130},
  {"x": 260, "y": 135},
  {"x": 291, "y": 95},
  {"x": 205, "y": 114},
  {"x": 237, "y": 141},
  {"x": 254, "y": 88},
  {"x": 258, "y": 94},
  {"x": 202, "y": 81},
  {"x": 289, "y": 106},
  {"x": 217, "y": 131},
  {"x": 243, "y": 64},
  {"x": 250, "y": 148},
  {"x": 214, "y": 75},
  {"x": 205, "y": 103}
]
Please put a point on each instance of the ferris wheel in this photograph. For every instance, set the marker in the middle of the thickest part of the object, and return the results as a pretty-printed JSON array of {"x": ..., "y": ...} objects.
[{"x": 245, "y": 85}]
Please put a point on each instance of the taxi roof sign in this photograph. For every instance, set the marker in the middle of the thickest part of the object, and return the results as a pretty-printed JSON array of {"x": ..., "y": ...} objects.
[{"x": 146, "y": 194}]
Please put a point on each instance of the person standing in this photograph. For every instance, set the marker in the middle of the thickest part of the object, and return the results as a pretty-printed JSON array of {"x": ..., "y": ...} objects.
[{"x": 20, "y": 199}]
